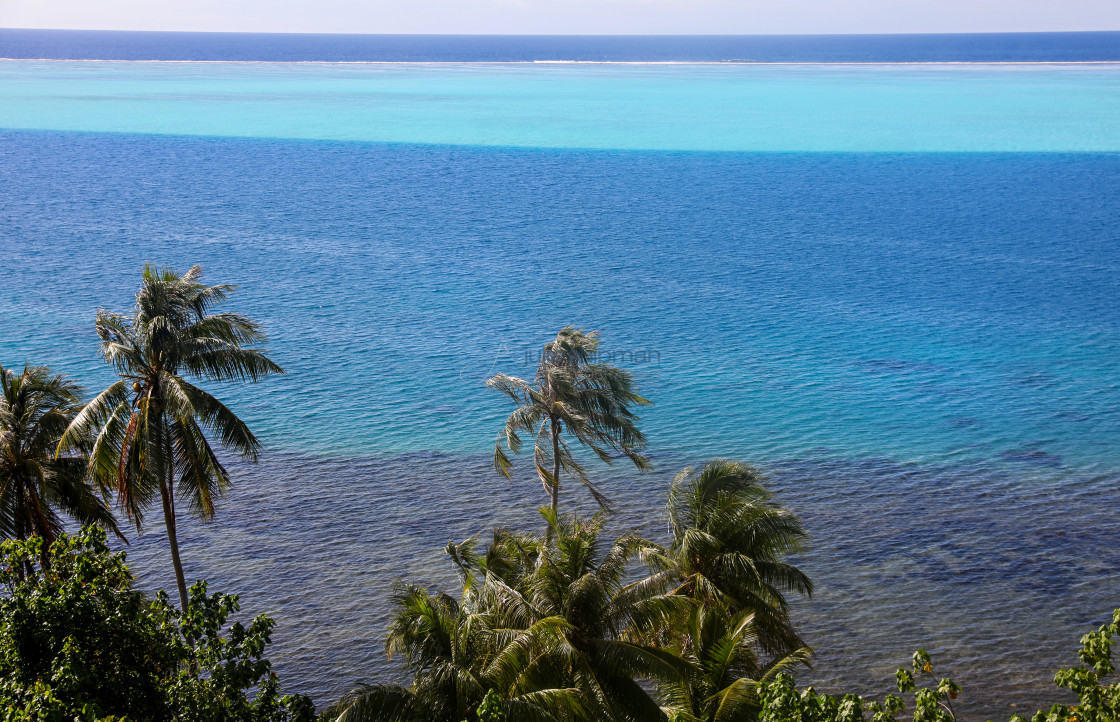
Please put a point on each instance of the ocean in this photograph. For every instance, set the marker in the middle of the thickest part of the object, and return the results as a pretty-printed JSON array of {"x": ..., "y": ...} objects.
[{"x": 883, "y": 269}]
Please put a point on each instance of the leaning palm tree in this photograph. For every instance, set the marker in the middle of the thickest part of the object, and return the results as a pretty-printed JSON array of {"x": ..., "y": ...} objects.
[
  {"x": 571, "y": 397},
  {"x": 35, "y": 484},
  {"x": 729, "y": 549},
  {"x": 153, "y": 428}
]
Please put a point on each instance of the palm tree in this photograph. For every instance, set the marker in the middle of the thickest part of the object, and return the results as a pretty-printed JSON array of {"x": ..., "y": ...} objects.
[
  {"x": 730, "y": 541},
  {"x": 153, "y": 428},
  {"x": 35, "y": 485},
  {"x": 571, "y": 396},
  {"x": 723, "y": 651},
  {"x": 456, "y": 658},
  {"x": 543, "y": 623},
  {"x": 576, "y": 583}
]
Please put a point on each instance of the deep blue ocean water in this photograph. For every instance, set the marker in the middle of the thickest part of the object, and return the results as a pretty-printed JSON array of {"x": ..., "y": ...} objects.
[
  {"x": 266, "y": 47},
  {"x": 893, "y": 288}
]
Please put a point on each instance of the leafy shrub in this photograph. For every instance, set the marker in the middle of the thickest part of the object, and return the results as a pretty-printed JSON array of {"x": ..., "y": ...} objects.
[
  {"x": 1098, "y": 700},
  {"x": 77, "y": 641}
]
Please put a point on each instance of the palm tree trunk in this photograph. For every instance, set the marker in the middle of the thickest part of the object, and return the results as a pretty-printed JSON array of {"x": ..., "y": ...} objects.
[
  {"x": 166, "y": 492},
  {"x": 21, "y": 532},
  {"x": 38, "y": 525},
  {"x": 25, "y": 570},
  {"x": 555, "y": 491}
]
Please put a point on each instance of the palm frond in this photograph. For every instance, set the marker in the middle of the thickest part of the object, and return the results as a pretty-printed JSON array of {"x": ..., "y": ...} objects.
[
  {"x": 215, "y": 416},
  {"x": 383, "y": 703},
  {"x": 38, "y": 481}
]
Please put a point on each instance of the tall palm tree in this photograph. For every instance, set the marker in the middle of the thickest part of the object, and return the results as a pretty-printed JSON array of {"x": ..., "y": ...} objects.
[
  {"x": 729, "y": 549},
  {"x": 153, "y": 428},
  {"x": 35, "y": 484},
  {"x": 572, "y": 396}
]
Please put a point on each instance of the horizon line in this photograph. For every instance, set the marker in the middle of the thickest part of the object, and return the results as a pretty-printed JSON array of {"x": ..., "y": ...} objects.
[
  {"x": 565, "y": 62},
  {"x": 583, "y": 35}
]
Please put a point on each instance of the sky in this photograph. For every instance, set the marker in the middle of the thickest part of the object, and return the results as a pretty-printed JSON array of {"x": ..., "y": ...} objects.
[{"x": 567, "y": 16}]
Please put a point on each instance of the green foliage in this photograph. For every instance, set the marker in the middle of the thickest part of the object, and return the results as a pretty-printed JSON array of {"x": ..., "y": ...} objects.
[
  {"x": 782, "y": 702},
  {"x": 491, "y": 709},
  {"x": 218, "y": 670},
  {"x": 77, "y": 635},
  {"x": 1099, "y": 700},
  {"x": 77, "y": 641}
]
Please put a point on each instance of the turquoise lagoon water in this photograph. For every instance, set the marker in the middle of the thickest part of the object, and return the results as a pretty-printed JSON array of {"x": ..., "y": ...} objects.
[
  {"x": 891, "y": 286},
  {"x": 712, "y": 107}
]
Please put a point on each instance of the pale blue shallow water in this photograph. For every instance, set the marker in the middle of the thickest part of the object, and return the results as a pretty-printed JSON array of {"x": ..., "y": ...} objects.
[
  {"x": 918, "y": 340},
  {"x": 723, "y": 107}
]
